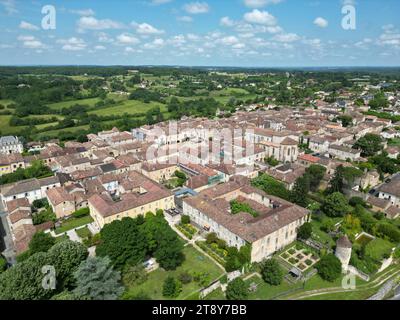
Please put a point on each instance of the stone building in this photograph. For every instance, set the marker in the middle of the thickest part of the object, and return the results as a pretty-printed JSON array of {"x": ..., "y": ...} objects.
[
  {"x": 343, "y": 251},
  {"x": 10, "y": 144}
]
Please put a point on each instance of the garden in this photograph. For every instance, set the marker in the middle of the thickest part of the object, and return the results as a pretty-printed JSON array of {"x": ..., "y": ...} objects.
[
  {"x": 79, "y": 218},
  {"x": 196, "y": 272},
  {"x": 186, "y": 228},
  {"x": 300, "y": 257}
]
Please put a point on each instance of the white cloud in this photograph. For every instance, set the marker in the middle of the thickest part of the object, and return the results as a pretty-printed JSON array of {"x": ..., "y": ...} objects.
[
  {"x": 260, "y": 17},
  {"x": 227, "y": 22},
  {"x": 91, "y": 23},
  {"x": 100, "y": 48},
  {"x": 28, "y": 26},
  {"x": 104, "y": 37},
  {"x": 126, "y": 38},
  {"x": 185, "y": 19},
  {"x": 260, "y": 3},
  {"x": 286, "y": 37},
  {"x": 321, "y": 22},
  {"x": 72, "y": 44},
  {"x": 155, "y": 44},
  {"x": 83, "y": 12},
  {"x": 31, "y": 42},
  {"x": 147, "y": 29},
  {"x": 196, "y": 7},
  {"x": 231, "y": 40}
]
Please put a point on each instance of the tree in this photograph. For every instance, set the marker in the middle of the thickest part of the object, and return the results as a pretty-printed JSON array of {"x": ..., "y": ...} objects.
[
  {"x": 3, "y": 264},
  {"x": 336, "y": 183},
  {"x": 237, "y": 290},
  {"x": 171, "y": 287},
  {"x": 370, "y": 144},
  {"x": 335, "y": 205},
  {"x": 271, "y": 272},
  {"x": 169, "y": 250},
  {"x": 271, "y": 186},
  {"x": 97, "y": 280},
  {"x": 305, "y": 231},
  {"x": 185, "y": 219},
  {"x": 346, "y": 120},
  {"x": 163, "y": 242},
  {"x": 329, "y": 267},
  {"x": 23, "y": 281},
  {"x": 122, "y": 241},
  {"x": 41, "y": 242},
  {"x": 315, "y": 173},
  {"x": 300, "y": 191},
  {"x": 134, "y": 274},
  {"x": 66, "y": 256}
]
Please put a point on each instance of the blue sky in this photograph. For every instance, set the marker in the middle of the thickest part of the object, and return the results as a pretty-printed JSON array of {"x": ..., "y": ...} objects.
[{"x": 251, "y": 33}]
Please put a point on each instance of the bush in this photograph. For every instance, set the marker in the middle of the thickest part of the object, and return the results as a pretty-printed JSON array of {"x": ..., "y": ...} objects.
[
  {"x": 171, "y": 288},
  {"x": 355, "y": 201},
  {"x": 185, "y": 219},
  {"x": 390, "y": 231},
  {"x": 271, "y": 272},
  {"x": 224, "y": 279},
  {"x": 329, "y": 267},
  {"x": 134, "y": 274},
  {"x": 41, "y": 203},
  {"x": 185, "y": 277},
  {"x": 211, "y": 238},
  {"x": 237, "y": 290},
  {"x": 81, "y": 213},
  {"x": 305, "y": 231},
  {"x": 3, "y": 264}
]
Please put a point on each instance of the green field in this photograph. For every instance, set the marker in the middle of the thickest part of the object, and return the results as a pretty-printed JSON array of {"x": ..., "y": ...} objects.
[
  {"x": 195, "y": 261},
  {"x": 66, "y": 104},
  {"x": 130, "y": 107}
]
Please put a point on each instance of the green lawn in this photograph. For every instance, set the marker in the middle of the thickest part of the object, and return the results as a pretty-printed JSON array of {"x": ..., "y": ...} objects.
[
  {"x": 67, "y": 104},
  {"x": 266, "y": 291},
  {"x": 195, "y": 261},
  {"x": 83, "y": 232},
  {"x": 216, "y": 295},
  {"x": 73, "y": 223},
  {"x": 130, "y": 107}
]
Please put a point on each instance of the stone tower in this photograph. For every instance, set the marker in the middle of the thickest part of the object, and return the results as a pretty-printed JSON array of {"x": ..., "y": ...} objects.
[{"x": 343, "y": 251}]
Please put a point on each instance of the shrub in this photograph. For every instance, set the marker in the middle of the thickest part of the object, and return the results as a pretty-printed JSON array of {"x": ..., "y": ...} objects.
[
  {"x": 211, "y": 238},
  {"x": 329, "y": 267},
  {"x": 272, "y": 272},
  {"x": 237, "y": 290},
  {"x": 81, "y": 213},
  {"x": 185, "y": 277},
  {"x": 185, "y": 219},
  {"x": 171, "y": 288},
  {"x": 305, "y": 231}
]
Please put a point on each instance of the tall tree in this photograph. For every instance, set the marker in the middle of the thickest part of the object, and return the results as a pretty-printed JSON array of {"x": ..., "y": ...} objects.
[
  {"x": 97, "y": 280},
  {"x": 237, "y": 290},
  {"x": 336, "y": 183},
  {"x": 122, "y": 241},
  {"x": 300, "y": 191},
  {"x": 271, "y": 272},
  {"x": 66, "y": 256},
  {"x": 41, "y": 242},
  {"x": 335, "y": 205}
]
